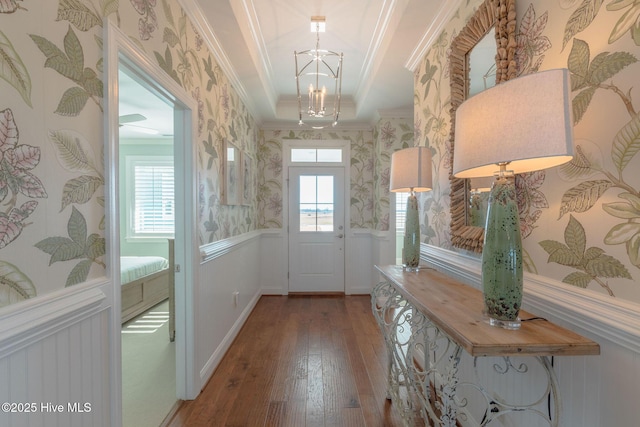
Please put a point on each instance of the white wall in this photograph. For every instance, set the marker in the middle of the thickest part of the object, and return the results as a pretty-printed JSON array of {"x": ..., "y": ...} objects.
[{"x": 229, "y": 266}]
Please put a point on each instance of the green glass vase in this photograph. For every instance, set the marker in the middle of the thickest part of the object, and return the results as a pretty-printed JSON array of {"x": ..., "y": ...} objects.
[
  {"x": 411, "y": 248},
  {"x": 502, "y": 256}
]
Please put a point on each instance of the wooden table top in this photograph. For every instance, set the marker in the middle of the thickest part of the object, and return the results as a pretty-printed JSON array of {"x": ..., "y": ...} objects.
[{"x": 456, "y": 309}]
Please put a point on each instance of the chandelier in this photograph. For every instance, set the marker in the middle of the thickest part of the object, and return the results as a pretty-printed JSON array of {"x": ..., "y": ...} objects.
[{"x": 321, "y": 68}]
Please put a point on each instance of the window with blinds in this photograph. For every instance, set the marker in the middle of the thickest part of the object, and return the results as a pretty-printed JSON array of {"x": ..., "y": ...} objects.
[
  {"x": 152, "y": 207},
  {"x": 401, "y": 211}
]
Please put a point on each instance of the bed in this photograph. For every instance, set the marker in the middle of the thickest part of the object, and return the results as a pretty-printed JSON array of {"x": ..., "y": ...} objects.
[{"x": 146, "y": 282}]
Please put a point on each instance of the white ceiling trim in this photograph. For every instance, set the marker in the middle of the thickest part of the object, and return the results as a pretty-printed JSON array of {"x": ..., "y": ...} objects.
[
  {"x": 375, "y": 47},
  {"x": 442, "y": 18},
  {"x": 279, "y": 126},
  {"x": 245, "y": 13},
  {"x": 193, "y": 11}
]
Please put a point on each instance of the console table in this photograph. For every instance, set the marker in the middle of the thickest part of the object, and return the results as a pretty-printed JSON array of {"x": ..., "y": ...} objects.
[{"x": 428, "y": 319}]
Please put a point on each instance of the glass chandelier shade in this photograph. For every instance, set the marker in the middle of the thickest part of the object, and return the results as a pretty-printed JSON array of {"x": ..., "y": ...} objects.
[
  {"x": 319, "y": 76},
  {"x": 518, "y": 126}
]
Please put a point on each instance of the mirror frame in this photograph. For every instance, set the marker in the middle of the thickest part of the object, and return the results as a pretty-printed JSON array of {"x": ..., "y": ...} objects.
[{"x": 501, "y": 15}]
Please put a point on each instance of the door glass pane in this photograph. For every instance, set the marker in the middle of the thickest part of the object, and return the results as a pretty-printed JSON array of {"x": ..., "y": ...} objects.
[
  {"x": 333, "y": 155},
  {"x": 325, "y": 189},
  {"x": 303, "y": 155},
  {"x": 308, "y": 186},
  {"x": 316, "y": 203},
  {"x": 316, "y": 155}
]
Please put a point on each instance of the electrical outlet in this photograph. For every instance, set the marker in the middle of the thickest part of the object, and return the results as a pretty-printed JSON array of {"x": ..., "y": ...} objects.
[{"x": 236, "y": 294}]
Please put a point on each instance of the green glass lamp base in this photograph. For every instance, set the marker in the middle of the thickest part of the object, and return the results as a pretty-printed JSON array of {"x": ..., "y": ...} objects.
[
  {"x": 502, "y": 279},
  {"x": 411, "y": 249}
]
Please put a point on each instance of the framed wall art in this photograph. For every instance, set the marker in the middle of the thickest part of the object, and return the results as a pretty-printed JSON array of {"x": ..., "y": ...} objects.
[
  {"x": 231, "y": 172},
  {"x": 247, "y": 179}
]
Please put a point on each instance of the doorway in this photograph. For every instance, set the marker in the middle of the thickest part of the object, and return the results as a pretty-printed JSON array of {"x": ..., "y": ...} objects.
[
  {"x": 147, "y": 229},
  {"x": 123, "y": 54},
  {"x": 316, "y": 218}
]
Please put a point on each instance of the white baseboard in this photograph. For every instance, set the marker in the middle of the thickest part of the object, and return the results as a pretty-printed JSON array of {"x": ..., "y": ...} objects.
[{"x": 213, "y": 361}]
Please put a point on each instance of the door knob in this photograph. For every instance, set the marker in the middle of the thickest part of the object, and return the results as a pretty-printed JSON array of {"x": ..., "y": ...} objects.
[{"x": 340, "y": 236}]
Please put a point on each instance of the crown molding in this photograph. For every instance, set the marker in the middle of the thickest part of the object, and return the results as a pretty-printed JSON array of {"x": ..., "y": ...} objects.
[
  {"x": 442, "y": 18},
  {"x": 289, "y": 126},
  {"x": 194, "y": 12},
  {"x": 380, "y": 38},
  {"x": 245, "y": 13},
  {"x": 393, "y": 113}
]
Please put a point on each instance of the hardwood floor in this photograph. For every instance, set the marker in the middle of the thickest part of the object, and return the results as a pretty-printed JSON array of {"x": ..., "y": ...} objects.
[{"x": 299, "y": 361}]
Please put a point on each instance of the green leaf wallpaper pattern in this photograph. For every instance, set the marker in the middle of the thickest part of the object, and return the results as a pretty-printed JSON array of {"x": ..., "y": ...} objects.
[
  {"x": 70, "y": 64},
  {"x": 10, "y": 6},
  {"x": 588, "y": 77},
  {"x": 628, "y": 22},
  {"x": 580, "y": 19},
  {"x": 77, "y": 246},
  {"x": 593, "y": 264},
  {"x": 13, "y": 70},
  {"x": 74, "y": 153},
  {"x": 602, "y": 81},
  {"x": 78, "y": 14},
  {"x": 15, "y": 286}
]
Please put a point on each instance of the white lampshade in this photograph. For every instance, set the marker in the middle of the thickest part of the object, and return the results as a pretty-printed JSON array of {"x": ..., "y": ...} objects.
[
  {"x": 411, "y": 170},
  {"x": 525, "y": 122}
]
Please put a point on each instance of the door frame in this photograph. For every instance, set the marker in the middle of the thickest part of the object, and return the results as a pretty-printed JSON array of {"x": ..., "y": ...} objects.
[
  {"x": 345, "y": 146},
  {"x": 119, "y": 49}
]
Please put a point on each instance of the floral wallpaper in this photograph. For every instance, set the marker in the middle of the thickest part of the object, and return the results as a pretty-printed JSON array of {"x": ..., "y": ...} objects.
[
  {"x": 51, "y": 125},
  {"x": 580, "y": 222},
  {"x": 370, "y": 159}
]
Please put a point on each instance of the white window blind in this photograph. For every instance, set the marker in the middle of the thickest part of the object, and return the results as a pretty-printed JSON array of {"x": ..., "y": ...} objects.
[
  {"x": 153, "y": 198},
  {"x": 401, "y": 210}
]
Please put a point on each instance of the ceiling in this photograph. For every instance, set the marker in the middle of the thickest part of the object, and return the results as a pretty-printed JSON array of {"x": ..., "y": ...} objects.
[{"x": 254, "y": 42}]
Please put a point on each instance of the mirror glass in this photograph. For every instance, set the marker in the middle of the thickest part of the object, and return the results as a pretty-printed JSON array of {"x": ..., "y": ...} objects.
[{"x": 482, "y": 64}]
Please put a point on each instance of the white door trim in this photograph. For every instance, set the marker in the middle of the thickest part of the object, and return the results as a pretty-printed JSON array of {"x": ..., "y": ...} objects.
[
  {"x": 119, "y": 48},
  {"x": 345, "y": 145}
]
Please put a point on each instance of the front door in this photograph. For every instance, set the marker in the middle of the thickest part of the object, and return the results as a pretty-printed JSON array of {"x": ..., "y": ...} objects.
[{"x": 316, "y": 229}]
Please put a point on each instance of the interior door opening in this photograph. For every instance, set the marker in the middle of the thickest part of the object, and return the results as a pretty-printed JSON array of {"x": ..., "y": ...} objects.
[{"x": 147, "y": 230}]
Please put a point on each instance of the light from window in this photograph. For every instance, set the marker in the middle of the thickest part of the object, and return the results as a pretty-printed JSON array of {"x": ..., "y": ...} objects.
[
  {"x": 153, "y": 198},
  {"x": 316, "y": 203},
  {"x": 401, "y": 210},
  {"x": 316, "y": 155}
]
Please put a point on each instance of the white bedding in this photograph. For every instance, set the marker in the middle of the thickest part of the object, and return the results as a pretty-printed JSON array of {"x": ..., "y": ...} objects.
[{"x": 134, "y": 267}]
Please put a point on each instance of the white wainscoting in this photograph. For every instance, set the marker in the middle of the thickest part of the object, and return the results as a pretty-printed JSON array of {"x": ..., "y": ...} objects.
[
  {"x": 54, "y": 357},
  {"x": 596, "y": 391},
  {"x": 358, "y": 262},
  {"x": 228, "y": 267},
  {"x": 274, "y": 262}
]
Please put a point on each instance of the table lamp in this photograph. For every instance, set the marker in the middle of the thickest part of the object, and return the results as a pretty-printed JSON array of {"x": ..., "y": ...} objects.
[
  {"x": 411, "y": 172},
  {"x": 518, "y": 126}
]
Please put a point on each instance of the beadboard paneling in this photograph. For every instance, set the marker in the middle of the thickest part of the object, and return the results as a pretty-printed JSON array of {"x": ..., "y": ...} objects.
[{"x": 54, "y": 351}]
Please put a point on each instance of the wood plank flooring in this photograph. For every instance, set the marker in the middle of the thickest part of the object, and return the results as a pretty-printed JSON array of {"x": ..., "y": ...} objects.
[{"x": 299, "y": 361}]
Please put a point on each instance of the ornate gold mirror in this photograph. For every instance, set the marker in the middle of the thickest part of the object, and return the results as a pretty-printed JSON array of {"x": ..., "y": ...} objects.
[{"x": 499, "y": 17}]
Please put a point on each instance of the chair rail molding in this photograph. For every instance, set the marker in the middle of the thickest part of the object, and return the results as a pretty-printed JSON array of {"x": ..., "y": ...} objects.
[
  {"x": 221, "y": 247},
  {"x": 23, "y": 324}
]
